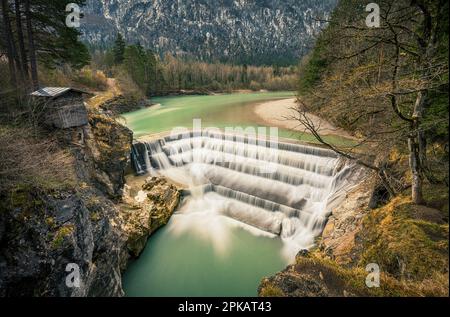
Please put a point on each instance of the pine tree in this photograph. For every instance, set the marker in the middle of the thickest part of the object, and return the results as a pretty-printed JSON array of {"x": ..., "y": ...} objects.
[
  {"x": 119, "y": 49},
  {"x": 42, "y": 36},
  {"x": 21, "y": 41},
  {"x": 244, "y": 78},
  {"x": 142, "y": 66},
  {"x": 31, "y": 46},
  {"x": 9, "y": 42}
]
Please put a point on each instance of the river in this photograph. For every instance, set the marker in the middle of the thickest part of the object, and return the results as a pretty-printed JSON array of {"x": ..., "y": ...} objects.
[
  {"x": 223, "y": 241},
  {"x": 216, "y": 110}
]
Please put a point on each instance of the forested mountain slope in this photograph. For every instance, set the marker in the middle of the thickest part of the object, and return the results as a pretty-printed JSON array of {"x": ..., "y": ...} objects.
[{"x": 253, "y": 32}]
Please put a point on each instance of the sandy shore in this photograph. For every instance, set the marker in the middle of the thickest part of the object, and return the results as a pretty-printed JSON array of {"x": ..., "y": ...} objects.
[{"x": 279, "y": 113}]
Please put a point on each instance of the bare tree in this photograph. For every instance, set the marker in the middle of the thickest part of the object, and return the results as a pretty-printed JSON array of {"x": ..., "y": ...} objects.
[{"x": 381, "y": 82}]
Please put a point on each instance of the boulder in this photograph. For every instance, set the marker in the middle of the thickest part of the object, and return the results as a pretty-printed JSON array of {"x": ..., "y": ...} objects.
[{"x": 142, "y": 217}]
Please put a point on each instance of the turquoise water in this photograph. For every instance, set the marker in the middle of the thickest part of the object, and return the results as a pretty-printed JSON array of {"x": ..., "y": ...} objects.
[
  {"x": 218, "y": 111},
  {"x": 225, "y": 110},
  {"x": 190, "y": 264},
  {"x": 200, "y": 253}
]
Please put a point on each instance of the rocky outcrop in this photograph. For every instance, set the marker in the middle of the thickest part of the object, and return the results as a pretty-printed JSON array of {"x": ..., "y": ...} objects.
[
  {"x": 108, "y": 147},
  {"x": 146, "y": 213},
  {"x": 42, "y": 234},
  {"x": 121, "y": 104},
  {"x": 339, "y": 239},
  {"x": 308, "y": 278},
  {"x": 315, "y": 276},
  {"x": 48, "y": 234}
]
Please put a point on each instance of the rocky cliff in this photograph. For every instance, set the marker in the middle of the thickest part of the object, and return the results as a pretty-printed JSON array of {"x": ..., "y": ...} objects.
[
  {"x": 409, "y": 243},
  {"x": 255, "y": 31},
  {"x": 44, "y": 232}
]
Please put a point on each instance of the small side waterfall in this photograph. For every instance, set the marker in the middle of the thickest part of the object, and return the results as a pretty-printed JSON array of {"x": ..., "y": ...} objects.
[{"x": 283, "y": 189}]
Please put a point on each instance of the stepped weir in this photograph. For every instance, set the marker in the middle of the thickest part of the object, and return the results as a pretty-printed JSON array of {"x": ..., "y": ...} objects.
[{"x": 284, "y": 189}]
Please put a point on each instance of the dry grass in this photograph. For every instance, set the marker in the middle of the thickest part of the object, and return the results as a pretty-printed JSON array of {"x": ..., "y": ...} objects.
[
  {"x": 86, "y": 78},
  {"x": 110, "y": 93},
  {"x": 270, "y": 290},
  {"x": 60, "y": 77},
  {"x": 92, "y": 79},
  {"x": 316, "y": 275},
  {"x": 28, "y": 159},
  {"x": 353, "y": 280}
]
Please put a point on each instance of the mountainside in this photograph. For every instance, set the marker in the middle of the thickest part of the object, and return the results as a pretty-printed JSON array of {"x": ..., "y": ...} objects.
[{"x": 244, "y": 31}]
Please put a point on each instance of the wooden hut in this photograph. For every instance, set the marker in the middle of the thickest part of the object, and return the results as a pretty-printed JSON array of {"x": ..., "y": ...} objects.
[{"x": 63, "y": 106}]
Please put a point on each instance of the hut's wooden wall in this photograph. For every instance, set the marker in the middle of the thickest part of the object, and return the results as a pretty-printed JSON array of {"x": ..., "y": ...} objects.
[{"x": 67, "y": 111}]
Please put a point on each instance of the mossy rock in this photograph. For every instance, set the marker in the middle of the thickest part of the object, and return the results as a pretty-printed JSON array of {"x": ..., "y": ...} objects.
[
  {"x": 408, "y": 242},
  {"x": 320, "y": 277},
  {"x": 436, "y": 197},
  {"x": 271, "y": 291},
  {"x": 61, "y": 234},
  {"x": 404, "y": 246}
]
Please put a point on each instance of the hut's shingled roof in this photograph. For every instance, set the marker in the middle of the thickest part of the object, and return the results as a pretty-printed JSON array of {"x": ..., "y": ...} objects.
[{"x": 54, "y": 92}]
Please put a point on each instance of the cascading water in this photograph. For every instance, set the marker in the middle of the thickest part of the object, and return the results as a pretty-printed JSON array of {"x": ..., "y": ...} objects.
[{"x": 272, "y": 188}]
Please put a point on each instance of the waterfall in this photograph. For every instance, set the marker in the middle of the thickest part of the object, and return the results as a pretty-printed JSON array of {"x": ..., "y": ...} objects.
[{"x": 283, "y": 189}]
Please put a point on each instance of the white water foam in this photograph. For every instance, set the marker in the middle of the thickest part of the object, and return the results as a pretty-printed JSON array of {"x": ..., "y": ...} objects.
[{"x": 288, "y": 191}]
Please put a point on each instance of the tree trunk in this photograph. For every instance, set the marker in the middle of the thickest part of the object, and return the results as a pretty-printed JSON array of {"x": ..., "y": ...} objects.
[
  {"x": 20, "y": 38},
  {"x": 15, "y": 55},
  {"x": 416, "y": 151},
  {"x": 414, "y": 163},
  {"x": 9, "y": 43},
  {"x": 31, "y": 48},
  {"x": 19, "y": 68}
]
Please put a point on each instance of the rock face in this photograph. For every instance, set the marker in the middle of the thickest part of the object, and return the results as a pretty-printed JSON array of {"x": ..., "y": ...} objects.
[
  {"x": 315, "y": 280},
  {"x": 45, "y": 235},
  {"x": 313, "y": 276},
  {"x": 46, "y": 232},
  {"x": 253, "y": 32},
  {"x": 108, "y": 144},
  {"x": 339, "y": 238},
  {"x": 142, "y": 218}
]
